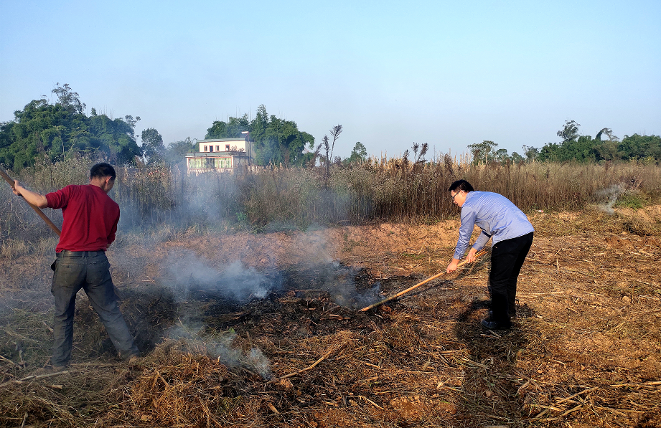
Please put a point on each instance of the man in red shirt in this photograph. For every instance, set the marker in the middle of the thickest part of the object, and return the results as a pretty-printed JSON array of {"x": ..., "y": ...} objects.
[{"x": 89, "y": 227}]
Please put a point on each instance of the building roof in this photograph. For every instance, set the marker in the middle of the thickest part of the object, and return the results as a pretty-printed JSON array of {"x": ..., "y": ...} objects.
[
  {"x": 218, "y": 140},
  {"x": 235, "y": 153}
]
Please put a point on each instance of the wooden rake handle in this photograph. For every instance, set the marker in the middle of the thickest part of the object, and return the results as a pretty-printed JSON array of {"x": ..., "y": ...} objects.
[
  {"x": 34, "y": 207},
  {"x": 478, "y": 254}
]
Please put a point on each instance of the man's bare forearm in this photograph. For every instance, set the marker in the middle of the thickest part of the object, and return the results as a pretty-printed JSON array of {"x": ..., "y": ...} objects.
[{"x": 31, "y": 197}]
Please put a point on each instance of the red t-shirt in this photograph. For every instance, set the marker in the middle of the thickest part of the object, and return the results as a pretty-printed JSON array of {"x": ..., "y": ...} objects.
[{"x": 90, "y": 217}]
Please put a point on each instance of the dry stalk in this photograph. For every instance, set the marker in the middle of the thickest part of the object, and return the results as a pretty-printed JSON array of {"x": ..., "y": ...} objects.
[
  {"x": 32, "y": 377},
  {"x": 326, "y": 355},
  {"x": 9, "y": 361}
]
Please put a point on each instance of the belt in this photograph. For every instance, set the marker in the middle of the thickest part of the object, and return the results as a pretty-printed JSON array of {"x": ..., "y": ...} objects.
[{"x": 67, "y": 253}]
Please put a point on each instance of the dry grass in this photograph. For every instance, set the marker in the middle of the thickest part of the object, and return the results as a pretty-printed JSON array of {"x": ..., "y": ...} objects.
[
  {"x": 277, "y": 199},
  {"x": 585, "y": 350}
]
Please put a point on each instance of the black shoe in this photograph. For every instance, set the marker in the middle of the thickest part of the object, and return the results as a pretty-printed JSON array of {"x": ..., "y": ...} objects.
[{"x": 494, "y": 325}]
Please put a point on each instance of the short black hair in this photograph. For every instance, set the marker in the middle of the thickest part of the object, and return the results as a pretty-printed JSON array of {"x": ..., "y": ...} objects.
[
  {"x": 460, "y": 185},
  {"x": 101, "y": 170}
]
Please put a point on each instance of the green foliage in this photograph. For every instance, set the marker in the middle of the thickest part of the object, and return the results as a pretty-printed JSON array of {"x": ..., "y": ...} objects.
[
  {"x": 569, "y": 132},
  {"x": 358, "y": 154},
  {"x": 640, "y": 147},
  {"x": 516, "y": 158},
  {"x": 531, "y": 153},
  {"x": 582, "y": 148},
  {"x": 153, "y": 149},
  {"x": 175, "y": 152},
  {"x": 635, "y": 200},
  {"x": 58, "y": 131},
  {"x": 276, "y": 141},
  {"x": 482, "y": 152}
]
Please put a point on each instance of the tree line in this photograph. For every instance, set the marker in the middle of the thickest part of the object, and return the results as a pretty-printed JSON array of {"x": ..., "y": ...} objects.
[
  {"x": 54, "y": 132},
  {"x": 605, "y": 146}
]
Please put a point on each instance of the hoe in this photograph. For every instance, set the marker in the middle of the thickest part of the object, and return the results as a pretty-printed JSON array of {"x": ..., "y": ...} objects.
[
  {"x": 478, "y": 254},
  {"x": 35, "y": 208}
]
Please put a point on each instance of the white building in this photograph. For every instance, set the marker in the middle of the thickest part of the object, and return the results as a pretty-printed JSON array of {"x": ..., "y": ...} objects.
[{"x": 220, "y": 154}]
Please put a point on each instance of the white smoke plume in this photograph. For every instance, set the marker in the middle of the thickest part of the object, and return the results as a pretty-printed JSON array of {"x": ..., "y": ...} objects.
[
  {"x": 610, "y": 194},
  {"x": 187, "y": 272},
  {"x": 224, "y": 349},
  {"x": 335, "y": 278}
]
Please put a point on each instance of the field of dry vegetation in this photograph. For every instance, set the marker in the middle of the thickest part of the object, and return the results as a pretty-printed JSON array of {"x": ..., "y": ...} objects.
[
  {"x": 585, "y": 350},
  {"x": 244, "y": 291}
]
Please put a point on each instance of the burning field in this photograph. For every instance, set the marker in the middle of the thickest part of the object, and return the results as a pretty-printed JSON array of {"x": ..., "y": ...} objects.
[{"x": 265, "y": 330}]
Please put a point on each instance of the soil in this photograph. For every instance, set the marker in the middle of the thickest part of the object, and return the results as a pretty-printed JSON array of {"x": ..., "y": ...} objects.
[{"x": 247, "y": 329}]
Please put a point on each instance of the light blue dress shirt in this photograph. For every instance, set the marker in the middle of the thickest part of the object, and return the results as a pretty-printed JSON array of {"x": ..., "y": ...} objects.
[{"x": 496, "y": 215}]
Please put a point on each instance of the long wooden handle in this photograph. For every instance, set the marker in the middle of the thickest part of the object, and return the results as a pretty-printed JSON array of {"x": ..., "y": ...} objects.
[
  {"x": 34, "y": 207},
  {"x": 478, "y": 254}
]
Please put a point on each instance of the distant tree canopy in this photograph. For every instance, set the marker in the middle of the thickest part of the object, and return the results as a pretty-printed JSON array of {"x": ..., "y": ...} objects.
[
  {"x": 583, "y": 148},
  {"x": 276, "y": 141},
  {"x": 358, "y": 154},
  {"x": 153, "y": 149},
  {"x": 55, "y": 131},
  {"x": 578, "y": 148}
]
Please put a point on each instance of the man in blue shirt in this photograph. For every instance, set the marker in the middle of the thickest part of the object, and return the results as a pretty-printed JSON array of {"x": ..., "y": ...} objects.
[{"x": 511, "y": 234}]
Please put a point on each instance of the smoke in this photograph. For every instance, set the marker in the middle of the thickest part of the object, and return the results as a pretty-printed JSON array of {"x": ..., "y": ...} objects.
[
  {"x": 225, "y": 349},
  {"x": 339, "y": 281},
  {"x": 333, "y": 277},
  {"x": 610, "y": 194},
  {"x": 186, "y": 272},
  {"x": 233, "y": 356}
]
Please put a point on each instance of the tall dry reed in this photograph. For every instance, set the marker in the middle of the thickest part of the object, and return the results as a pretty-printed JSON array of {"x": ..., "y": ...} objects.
[{"x": 270, "y": 198}]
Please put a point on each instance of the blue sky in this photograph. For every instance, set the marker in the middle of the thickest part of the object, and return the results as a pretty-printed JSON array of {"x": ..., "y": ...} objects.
[{"x": 446, "y": 73}]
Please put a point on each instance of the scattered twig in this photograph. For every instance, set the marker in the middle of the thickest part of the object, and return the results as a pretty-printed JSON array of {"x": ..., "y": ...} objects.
[
  {"x": 370, "y": 401},
  {"x": 8, "y": 360},
  {"x": 58, "y": 387},
  {"x": 326, "y": 355},
  {"x": 577, "y": 394},
  {"x": 33, "y": 377},
  {"x": 637, "y": 385}
]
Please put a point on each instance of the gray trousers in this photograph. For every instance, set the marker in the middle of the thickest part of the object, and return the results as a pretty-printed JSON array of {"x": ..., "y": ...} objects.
[{"x": 89, "y": 270}]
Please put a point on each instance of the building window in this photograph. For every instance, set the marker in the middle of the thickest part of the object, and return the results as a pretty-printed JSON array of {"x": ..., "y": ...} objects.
[
  {"x": 227, "y": 147},
  {"x": 217, "y": 148},
  {"x": 211, "y": 148},
  {"x": 205, "y": 148}
]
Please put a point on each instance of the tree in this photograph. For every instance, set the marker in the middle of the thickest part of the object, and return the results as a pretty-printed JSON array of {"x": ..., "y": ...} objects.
[
  {"x": 531, "y": 153},
  {"x": 501, "y": 155},
  {"x": 230, "y": 129},
  {"x": 608, "y": 132},
  {"x": 640, "y": 147},
  {"x": 275, "y": 141},
  {"x": 176, "y": 151},
  {"x": 56, "y": 131},
  {"x": 68, "y": 99},
  {"x": 153, "y": 149},
  {"x": 517, "y": 158},
  {"x": 329, "y": 146},
  {"x": 358, "y": 154},
  {"x": 335, "y": 133},
  {"x": 569, "y": 131},
  {"x": 481, "y": 151}
]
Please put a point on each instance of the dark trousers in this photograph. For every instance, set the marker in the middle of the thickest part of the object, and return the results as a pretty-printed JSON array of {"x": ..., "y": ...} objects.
[
  {"x": 89, "y": 270},
  {"x": 507, "y": 257}
]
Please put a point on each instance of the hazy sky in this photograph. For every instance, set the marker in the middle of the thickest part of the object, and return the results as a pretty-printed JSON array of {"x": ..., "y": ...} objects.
[{"x": 446, "y": 73}]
